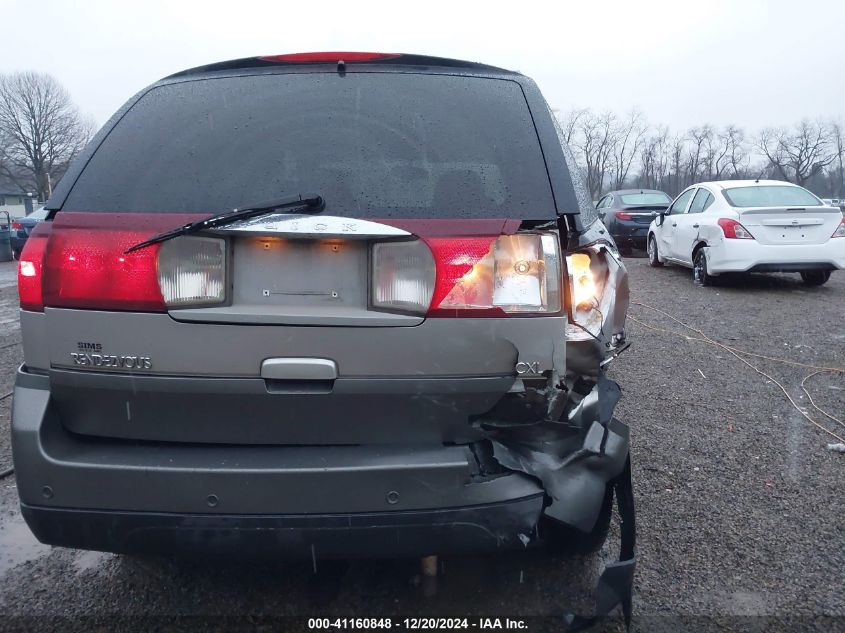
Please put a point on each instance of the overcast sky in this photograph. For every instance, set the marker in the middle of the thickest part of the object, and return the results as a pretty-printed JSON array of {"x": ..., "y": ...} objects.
[{"x": 683, "y": 63}]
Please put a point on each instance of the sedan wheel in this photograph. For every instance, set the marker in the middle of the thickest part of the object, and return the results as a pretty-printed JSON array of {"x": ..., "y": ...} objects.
[
  {"x": 700, "y": 275},
  {"x": 653, "y": 259},
  {"x": 815, "y": 277}
]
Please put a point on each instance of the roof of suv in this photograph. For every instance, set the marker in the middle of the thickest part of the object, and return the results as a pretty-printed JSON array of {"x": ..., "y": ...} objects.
[{"x": 341, "y": 59}]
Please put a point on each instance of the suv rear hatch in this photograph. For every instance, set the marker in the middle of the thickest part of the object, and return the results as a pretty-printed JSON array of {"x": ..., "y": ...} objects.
[{"x": 393, "y": 316}]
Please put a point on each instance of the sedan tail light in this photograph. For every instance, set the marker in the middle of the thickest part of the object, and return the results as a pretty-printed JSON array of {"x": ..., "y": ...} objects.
[
  {"x": 17, "y": 226},
  {"x": 623, "y": 215},
  {"x": 733, "y": 230},
  {"x": 840, "y": 230}
]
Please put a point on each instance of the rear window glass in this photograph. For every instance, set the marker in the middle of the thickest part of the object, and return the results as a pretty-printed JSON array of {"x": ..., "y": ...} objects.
[
  {"x": 770, "y": 196},
  {"x": 39, "y": 214},
  {"x": 372, "y": 144},
  {"x": 646, "y": 198}
]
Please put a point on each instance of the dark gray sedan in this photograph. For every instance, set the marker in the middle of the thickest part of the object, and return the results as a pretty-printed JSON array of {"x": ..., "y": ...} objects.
[
  {"x": 22, "y": 227},
  {"x": 627, "y": 214}
]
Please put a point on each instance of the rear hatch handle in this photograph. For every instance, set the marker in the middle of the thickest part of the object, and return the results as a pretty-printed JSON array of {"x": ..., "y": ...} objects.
[{"x": 299, "y": 375}]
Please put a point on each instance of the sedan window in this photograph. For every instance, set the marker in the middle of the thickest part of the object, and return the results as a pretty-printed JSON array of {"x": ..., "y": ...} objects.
[
  {"x": 702, "y": 200},
  {"x": 39, "y": 214},
  {"x": 680, "y": 204},
  {"x": 651, "y": 197},
  {"x": 770, "y": 196}
]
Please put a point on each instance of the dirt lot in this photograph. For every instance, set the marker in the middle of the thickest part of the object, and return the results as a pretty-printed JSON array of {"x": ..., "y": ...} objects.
[{"x": 740, "y": 504}]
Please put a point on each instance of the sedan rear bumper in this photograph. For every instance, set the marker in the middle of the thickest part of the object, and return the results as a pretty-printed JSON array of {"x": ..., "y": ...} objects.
[
  {"x": 17, "y": 242},
  {"x": 629, "y": 233},
  {"x": 751, "y": 256}
]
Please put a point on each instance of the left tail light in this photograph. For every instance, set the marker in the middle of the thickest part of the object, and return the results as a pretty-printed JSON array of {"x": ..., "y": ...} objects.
[
  {"x": 30, "y": 269},
  {"x": 17, "y": 226},
  {"x": 82, "y": 266}
]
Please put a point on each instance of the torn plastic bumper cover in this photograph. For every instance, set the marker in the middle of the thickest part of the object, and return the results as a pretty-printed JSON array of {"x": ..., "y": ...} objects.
[
  {"x": 574, "y": 477},
  {"x": 576, "y": 455}
]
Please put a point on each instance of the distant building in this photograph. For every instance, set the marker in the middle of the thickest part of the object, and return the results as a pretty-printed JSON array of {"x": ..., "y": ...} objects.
[
  {"x": 14, "y": 199},
  {"x": 17, "y": 204}
]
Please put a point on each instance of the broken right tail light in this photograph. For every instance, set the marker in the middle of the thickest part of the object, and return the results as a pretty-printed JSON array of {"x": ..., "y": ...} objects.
[
  {"x": 469, "y": 276},
  {"x": 497, "y": 276}
]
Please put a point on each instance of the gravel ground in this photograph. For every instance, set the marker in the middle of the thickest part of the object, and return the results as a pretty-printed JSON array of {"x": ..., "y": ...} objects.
[{"x": 740, "y": 504}]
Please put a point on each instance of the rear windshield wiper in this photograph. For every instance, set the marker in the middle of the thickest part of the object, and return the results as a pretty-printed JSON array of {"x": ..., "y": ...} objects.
[{"x": 301, "y": 203}]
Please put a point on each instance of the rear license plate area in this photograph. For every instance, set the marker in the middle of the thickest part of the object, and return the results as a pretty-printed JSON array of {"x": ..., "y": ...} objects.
[{"x": 279, "y": 272}]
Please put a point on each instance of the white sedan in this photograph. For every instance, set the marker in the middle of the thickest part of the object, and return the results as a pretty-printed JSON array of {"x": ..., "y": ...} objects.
[{"x": 749, "y": 226}]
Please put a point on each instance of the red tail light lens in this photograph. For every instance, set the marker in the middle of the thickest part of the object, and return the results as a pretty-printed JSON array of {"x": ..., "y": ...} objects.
[
  {"x": 87, "y": 268},
  {"x": 30, "y": 269},
  {"x": 733, "y": 230},
  {"x": 622, "y": 215},
  {"x": 497, "y": 276},
  {"x": 17, "y": 226},
  {"x": 330, "y": 57},
  {"x": 78, "y": 261}
]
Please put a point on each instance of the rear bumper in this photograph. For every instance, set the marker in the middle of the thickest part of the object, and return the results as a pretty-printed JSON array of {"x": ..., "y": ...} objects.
[
  {"x": 111, "y": 494},
  {"x": 510, "y": 524},
  {"x": 630, "y": 234},
  {"x": 750, "y": 256}
]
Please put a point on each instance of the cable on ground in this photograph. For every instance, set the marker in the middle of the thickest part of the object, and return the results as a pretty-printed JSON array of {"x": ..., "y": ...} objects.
[{"x": 739, "y": 353}]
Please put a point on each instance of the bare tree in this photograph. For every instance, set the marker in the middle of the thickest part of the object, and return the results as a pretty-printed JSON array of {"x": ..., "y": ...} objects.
[
  {"x": 654, "y": 160},
  {"x": 837, "y": 173},
  {"x": 41, "y": 130},
  {"x": 677, "y": 164},
  {"x": 627, "y": 139},
  {"x": 569, "y": 121},
  {"x": 801, "y": 154},
  {"x": 738, "y": 159},
  {"x": 594, "y": 139},
  {"x": 613, "y": 151},
  {"x": 699, "y": 138},
  {"x": 725, "y": 154}
]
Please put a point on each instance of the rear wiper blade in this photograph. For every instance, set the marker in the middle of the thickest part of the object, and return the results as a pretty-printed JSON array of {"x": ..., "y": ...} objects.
[{"x": 300, "y": 203}]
